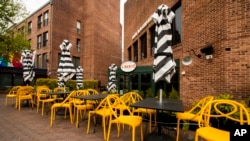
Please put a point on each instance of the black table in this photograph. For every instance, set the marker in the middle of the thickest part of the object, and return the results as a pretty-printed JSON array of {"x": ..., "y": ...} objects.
[
  {"x": 172, "y": 105},
  {"x": 91, "y": 97}
]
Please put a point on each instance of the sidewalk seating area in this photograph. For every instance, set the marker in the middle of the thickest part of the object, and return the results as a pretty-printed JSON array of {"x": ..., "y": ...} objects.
[{"x": 29, "y": 125}]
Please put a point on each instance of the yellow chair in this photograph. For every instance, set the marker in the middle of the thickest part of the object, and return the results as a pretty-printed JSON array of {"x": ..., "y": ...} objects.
[
  {"x": 101, "y": 110},
  {"x": 12, "y": 94},
  {"x": 24, "y": 93},
  {"x": 133, "y": 97},
  {"x": 43, "y": 98},
  {"x": 81, "y": 105},
  {"x": 58, "y": 89},
  {"x": 92, "y": 91},
  {"x": 192, "y": 114},
  {"x": 66, "y": 103},
  {"x": 131, "y": 120},
  {"x": 238, "y": 113}
]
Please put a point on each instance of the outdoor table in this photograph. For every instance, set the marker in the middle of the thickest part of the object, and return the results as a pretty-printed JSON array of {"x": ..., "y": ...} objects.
[
  {"x": 172, "y": 105},
  {"x": 62, "y": 93}
]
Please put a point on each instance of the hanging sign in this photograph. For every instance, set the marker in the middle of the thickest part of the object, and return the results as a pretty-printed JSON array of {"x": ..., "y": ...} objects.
[{"x": 128, "y": 66}]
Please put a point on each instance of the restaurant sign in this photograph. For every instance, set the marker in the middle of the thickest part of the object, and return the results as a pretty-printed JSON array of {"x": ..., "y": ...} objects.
[{"x": 128, "y": 66}]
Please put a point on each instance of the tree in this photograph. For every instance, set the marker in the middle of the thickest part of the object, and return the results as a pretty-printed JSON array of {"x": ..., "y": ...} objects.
[{"x": 11, "y": 12}]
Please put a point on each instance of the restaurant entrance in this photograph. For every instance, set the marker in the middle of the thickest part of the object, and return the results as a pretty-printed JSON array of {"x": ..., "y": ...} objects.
[{"x": 141, "y": 80}]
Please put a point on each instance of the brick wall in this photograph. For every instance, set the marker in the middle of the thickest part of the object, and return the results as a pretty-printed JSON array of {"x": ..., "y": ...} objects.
[{"x": 222, "y": 24}]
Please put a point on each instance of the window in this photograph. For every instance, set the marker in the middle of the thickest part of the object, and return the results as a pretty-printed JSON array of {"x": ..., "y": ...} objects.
[
  {"x": 46, "y": 20},
  {"x": 143, "y": 40},
  {"x": 78, "y": 45},
  {"x": 39, "y": 41},
  {"x": 29, "y": 27},
  {"x": 45, "y": 38},
  {"x": 152, "y": 40},
  {"x": 44, "y": 61},
  {"x": 78, "y": 27},
  {"x": 76, "y": 61},
  {"x": 135, "y": 45},
  {"x": 129, "y": 54},
  {"x": 39, "y": 61},
  {"x": 176, "y": 25},
  {"x": 39, "y": 22}
]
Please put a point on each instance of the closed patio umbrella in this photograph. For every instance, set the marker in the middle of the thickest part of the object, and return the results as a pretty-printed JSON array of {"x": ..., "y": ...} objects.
[
  {"x": 163, "y": 64},
  {"x": 66, "y": 69},
  {"x": 112, "y": 78},
  {"x": 79, "y": 77},
  {"x": 27, "y": 61}
]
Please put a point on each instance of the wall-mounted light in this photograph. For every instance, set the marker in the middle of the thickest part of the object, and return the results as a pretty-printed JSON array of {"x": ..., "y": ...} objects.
[
  {"x": 208, "y": 51},
  {"x": 188, "y": 59}
]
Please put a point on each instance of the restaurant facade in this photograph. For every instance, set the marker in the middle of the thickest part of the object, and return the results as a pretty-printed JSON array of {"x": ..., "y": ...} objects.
[{"x": 211, "y": 45}]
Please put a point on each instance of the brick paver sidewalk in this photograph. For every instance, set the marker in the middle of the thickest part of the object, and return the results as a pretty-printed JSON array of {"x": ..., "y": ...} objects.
[{"x": 27, "y": 125}]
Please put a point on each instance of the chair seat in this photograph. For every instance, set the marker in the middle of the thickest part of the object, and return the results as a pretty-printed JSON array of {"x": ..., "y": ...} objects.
[
  {"x": 211, "y": 133},
  {"x": 48, "y": 100},
  {"x": 104, "y": 112},
  {"x": 187, "y": 116},
  {"x": 129, "y": 120}
]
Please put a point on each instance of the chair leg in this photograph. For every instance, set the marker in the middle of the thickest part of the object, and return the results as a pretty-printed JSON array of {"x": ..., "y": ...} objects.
[
  {"x": 89, "y": 116},
  {"x": 51, "y": 116},
  {"x": 109, "y": 130},
  {"x": 42, "y": 108},
  {"x": 133, "y": 133},
  {"x": 178, "y": 130}
]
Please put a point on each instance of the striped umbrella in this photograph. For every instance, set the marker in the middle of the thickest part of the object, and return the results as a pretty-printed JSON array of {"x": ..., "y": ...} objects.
[
  {"x": 164, "y": 64},
  {"x": 66, "y": 69},
  {"x": 79, "y": 77},
  {"x": 112, "y": 78},
  {"x": 27, "y": 60}
]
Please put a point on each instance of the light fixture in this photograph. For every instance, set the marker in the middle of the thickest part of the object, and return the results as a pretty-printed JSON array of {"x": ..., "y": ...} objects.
[
  {"x": 188, "y": 59},
  {"x": 208, "y": 51}
]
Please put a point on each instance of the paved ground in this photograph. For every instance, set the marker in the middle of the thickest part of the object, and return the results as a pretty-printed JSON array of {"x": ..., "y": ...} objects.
[{"x": 27, "y": 125}]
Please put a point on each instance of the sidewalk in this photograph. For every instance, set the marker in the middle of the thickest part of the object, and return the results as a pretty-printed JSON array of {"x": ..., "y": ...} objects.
[{"x": 27, "y": 125}]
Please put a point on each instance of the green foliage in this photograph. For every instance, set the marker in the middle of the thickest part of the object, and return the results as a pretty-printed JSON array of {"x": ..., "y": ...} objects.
[
  {"x": 71, "y": 84},
  {"x": 11, "y": 40},
  {"x": 149, "y": 92},
  {"x": 173, "y": 94}
]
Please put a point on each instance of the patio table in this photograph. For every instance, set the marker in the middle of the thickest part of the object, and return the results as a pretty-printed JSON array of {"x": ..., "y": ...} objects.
[{"x": 172, "y": 105}]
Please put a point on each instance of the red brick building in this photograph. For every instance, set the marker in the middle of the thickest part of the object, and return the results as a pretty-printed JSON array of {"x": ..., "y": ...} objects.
[
  {"x": 92, "y": 26},
  {"x": 223, "y": 25}
]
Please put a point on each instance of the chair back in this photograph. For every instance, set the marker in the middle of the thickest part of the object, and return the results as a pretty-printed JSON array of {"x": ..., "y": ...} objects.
[
  {"x": 201, "y": 103},
  {"x": 69, "y": 97},
  {"x": 41, "y": 92},
  {"x": 13, "y": 90},
  {"x": 58, "y": 89},
  {"x": 25, "y": 90},
  {"x": 92, "y": 91},
  {"x": 114, "y": 101},
  {"x": 229, "y": 109},
  {"x": 131, "y": 97}
]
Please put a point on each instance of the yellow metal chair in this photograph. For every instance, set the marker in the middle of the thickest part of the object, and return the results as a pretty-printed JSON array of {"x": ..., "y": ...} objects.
[
  {"x": 101, "y": 110},
  {"x": 133, "y": 97},
  {"x": 131, "y": 120},
  {"x": 58, "y": 89},
  {"x": 66, "y": 103},
  {"x": 43, "y": 98},
  {"x": 237, "y": 113},
  {"x": 193, "y": 114},
  {"x": 24, "y": 93},
  {"x": 12, "y": 94},
  {"x": 81, "y": 105}
]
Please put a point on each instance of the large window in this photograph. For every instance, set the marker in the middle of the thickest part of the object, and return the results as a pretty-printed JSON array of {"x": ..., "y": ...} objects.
[
  {"x": 46, "y": 18},
  {"x": 143, "y": 40},
  {"x": 39, "y": 21},
  {"x": 29, "y": 27},
  {"x": 152, "y": 39},
  {"x": 45, "y": 38},
  {"x": 78, "y": 27},
  {"x": 135, "y": 46},
  {"x": 176, "y": 25},
  {"x": 129, "y": 54},
  {"x": 78, "y": 45},
  {"x": 39, "y": 41},
  {"x": 76, "y": 61},
  {"x": 44, "y": 61}
]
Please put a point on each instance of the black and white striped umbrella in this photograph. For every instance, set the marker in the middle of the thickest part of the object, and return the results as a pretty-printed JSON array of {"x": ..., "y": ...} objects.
[
  {"x": 164, "y": 64},
  {"x": 66, "y": 69},
  {"x": 27, "y": 60},
  {"x": 79, "y": 77},
  {"x": 112, "y": 78}
]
